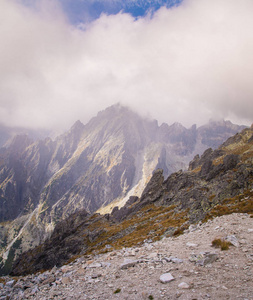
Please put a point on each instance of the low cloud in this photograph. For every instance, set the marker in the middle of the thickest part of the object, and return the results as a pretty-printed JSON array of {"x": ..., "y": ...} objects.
[{"x": 187, "y": 64}]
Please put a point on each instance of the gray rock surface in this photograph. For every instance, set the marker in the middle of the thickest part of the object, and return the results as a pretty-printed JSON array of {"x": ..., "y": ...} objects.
[{"x": 166, "y": 277}]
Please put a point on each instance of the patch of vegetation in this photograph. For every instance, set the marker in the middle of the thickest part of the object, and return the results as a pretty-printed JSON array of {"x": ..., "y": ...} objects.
[
  {"x": 150, "y": 297},
  {"x": 247, "y": 155},
  {"x": 117, "y": 291},
  {"x": 242, "y": 203},
  {"x": 197, "y": 169},
  {"x": 221, "y": 243},
  {"x": 151, "y": 222},
  {"x": 2, "y": 280},
  {"x": 178, "y": 232}
]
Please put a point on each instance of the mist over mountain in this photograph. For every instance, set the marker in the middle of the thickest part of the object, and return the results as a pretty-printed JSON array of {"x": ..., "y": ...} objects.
[
  {"x": 9, "y": 133},
  {"x": 94, "y": 166},
  {"x": 187, "y": 63}
]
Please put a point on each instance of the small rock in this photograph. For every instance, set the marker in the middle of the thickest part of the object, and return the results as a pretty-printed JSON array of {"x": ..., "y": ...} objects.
[
  {"x": 94, "y": 276},
  {"x": 210, "y": 258},
  {"x": 250, "y": 230},
  {"x": 191, "y": 245},
  {"x": 81, "y": 271},
  {"x": 183, "y": 285},
  {"x": 35, "y": 290},
  {"x": 106, "y": 264},
  {"x": 65, "y": 280},
  {"x": 148, "y": 241},
  {"x": 65, "y": 269},
  {"x": 49, "y": 280},
  {"x": 167, "y": 277},
  {"x": 192, "y": 228},
  {"x": 176, "y": 260},
  {"x": 27, "y": 285},
  {"x": 233, "y": 240},
  {"x": 10, "y": 283},
  {"x": 173, "y": 259},
  {"x": 19, "y": 285},
  {"x": 128, "y": 263},
  {"x": 94, "y": 265},
  {"x": 203, "y": 259}
]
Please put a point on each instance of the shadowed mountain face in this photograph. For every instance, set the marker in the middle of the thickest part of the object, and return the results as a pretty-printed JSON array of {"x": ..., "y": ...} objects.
[{"x": 90, "y": 166}]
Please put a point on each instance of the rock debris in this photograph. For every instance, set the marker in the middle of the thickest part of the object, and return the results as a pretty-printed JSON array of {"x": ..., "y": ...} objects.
[{"x": 161, "y": 270}]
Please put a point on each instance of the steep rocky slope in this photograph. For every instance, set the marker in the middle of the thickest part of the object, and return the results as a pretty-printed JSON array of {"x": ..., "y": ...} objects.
[
  {"x": 103, "y": 162},
  {"x": 136, "y": 272},
  {"x": 219, "y": 182}
]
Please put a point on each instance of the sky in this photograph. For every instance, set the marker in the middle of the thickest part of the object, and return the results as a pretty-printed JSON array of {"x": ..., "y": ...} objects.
[{"x": 183, "y": 61}]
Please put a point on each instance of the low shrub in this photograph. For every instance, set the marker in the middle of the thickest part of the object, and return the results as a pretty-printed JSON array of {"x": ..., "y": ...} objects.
[
  {"x": 117, "y": 291},
  {"x": 221, "y": 243}
]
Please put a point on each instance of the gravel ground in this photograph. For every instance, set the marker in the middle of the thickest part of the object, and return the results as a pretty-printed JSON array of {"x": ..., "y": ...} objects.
[{"x": 134, "y": 273}]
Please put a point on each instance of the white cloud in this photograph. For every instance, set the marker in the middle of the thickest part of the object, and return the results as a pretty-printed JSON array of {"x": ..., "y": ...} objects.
[{"x": 186, "y": 64}]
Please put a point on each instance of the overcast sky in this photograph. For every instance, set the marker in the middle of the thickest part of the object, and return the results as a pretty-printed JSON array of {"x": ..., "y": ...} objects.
[{"x": 190, "y": 62}]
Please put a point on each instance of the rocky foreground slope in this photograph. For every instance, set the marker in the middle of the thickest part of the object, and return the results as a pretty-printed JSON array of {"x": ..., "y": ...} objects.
[{"x": 183, "y": 267}]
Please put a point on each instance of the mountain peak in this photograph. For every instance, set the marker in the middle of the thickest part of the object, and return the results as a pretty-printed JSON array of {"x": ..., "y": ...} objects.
[
  {"x": 78, "y": 125},
  {"x": 116, "y": 109}
]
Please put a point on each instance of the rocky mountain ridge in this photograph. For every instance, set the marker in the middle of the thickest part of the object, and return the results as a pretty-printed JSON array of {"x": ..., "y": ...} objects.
[
  {"x": 220, "y": 182},
  {"x": 103, "y": 162}
]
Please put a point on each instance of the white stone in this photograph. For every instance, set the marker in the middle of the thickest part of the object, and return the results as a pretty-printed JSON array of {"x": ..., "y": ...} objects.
[
  {"x": 192, "y": 245},
  {"x": 183, "y": 285},
  {"x": 175, "y": 260},
  {"x": 128, "y": 263},
  {"x": 167, "y": 277},
  {"x": 94, "y": 265},
  {"x": 10, "y": 283},
  {"x": 192, "y": 228},
  {"x": 233, "y": 240}
]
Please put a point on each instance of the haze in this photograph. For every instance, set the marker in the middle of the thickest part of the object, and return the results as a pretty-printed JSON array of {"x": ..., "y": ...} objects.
[{"x": 183, "y": 64}]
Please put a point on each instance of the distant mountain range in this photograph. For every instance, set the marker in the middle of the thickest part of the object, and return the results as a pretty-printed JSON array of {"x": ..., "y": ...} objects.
[
  {"x": 217, "y": 183},
  {"x": 8, "y": 133},
  {"x": 94, "y": 166}
]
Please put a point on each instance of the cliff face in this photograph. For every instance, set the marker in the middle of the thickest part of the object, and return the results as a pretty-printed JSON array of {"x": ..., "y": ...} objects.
[{"x": 94, "y": 166}]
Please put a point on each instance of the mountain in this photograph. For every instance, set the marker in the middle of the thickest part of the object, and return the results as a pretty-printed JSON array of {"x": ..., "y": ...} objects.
[
  {"x": 94, "y": 166},
  {"x": 8, "y": 133},
  {"x": 220, "y": 182}
]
